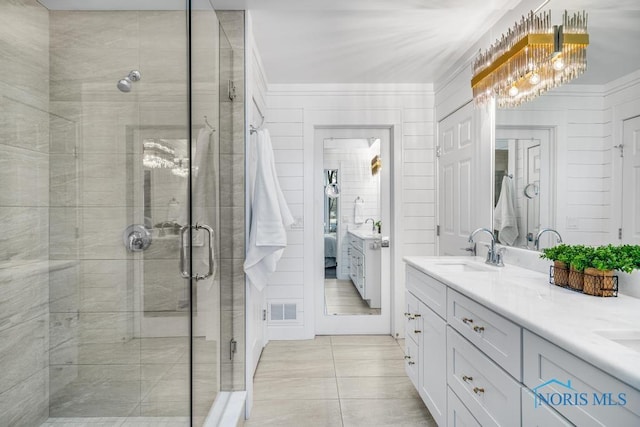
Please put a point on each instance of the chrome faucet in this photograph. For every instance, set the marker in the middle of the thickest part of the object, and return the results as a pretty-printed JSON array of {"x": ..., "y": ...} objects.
[
  {"x": 493, "y": 257},
  {"x": 536, "y": 242},
  {"x": 373, "y": 224}
]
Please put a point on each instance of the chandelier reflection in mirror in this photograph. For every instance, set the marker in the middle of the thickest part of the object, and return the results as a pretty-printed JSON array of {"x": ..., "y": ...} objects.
[
  {"x": 156, "y": 154},
  {"x": 533, "y": 57}
]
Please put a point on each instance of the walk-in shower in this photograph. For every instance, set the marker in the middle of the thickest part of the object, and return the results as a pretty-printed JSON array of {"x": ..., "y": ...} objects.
[{"x": 121, "y": 285}]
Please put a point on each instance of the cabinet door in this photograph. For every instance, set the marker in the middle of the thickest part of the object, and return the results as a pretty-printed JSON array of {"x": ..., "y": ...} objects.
[
  {"x": 412, "y": 362},
  {"x": 433, "y": 359},
  {"x": 457, "y": 414},
  {"x": 541, "y": 415}
]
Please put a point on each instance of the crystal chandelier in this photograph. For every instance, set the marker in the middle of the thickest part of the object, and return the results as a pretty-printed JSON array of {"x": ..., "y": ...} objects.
[
  {"x": 181, "y": 168},
  {"x": 157, "y": 154},
  {"x": 530, "y": 59}
]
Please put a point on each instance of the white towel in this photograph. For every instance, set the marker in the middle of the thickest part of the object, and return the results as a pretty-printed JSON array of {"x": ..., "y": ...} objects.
[
  {"x": 270, "y": 214},
  {"x": 358, "y": 208},
  {"x": 504, "y": 215}
]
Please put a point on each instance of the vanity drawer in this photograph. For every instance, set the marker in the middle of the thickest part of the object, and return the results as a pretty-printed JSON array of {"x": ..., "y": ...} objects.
[
  {"x": 490, "y": 394},
  {"x": 412, "y": 317},
  {"x": 498, "y": 337},
  {"x": 457, "y": 414},
  {"x": 428, "y": 290},
  {"x": 356, "y": 242},
  {"x": 540, "y": 415},
  {"x": 545, "y": 362},
  {"x": 411, "y": 362}
]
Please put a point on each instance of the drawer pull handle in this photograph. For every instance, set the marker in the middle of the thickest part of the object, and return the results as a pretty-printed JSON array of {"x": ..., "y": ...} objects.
[
  {"x": 417, "y": 315},
  {"x": 417, "y": 331},
  {"x": 412, "y": 363},
  {"x": 466, "y": 378},
  {"x": 407, "y": 357},
  {"x": 478, "y": 390},
  {"x": 466, "y": 320},
  {"x": 478, "y": 329},
  {"x": 407, "y": 315}
]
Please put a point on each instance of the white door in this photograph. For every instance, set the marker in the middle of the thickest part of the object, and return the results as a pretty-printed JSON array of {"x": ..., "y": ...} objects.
[
  {"x": 631, "y": 182},
  {"x": 456, "y": 153},
  {"x": 326, "y": 323},
  {"x": 532, "y": 183}
]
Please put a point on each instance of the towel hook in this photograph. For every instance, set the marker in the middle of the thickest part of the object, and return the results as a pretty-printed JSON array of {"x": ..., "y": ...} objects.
[
  {"x": 358, "y": 199},
  {"x": 206, "y": 122}
]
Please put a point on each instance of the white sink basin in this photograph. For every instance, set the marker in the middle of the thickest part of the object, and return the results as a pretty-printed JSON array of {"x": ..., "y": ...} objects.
[
  {"x": 462, "y": 266},
  {"x": 629, "y": 338}
]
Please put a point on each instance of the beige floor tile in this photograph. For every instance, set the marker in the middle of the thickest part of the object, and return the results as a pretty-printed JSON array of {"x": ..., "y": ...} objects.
[
  {"x": 295, "y": 388},
  {"x": 370, "y": 368},
  {"x": 367, "y": 352},
  {"x": 385, "y": 412},
  {"x": 295, "y": 353},
  {"x": 376, "y": 388},
  {"x": 291, "y": 413},
  {"x": 303, "y": 369},
  {"x": 363, "y": 340}
]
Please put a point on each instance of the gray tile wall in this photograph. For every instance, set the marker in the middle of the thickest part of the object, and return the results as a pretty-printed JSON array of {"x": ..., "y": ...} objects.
[
  {"x": 232, "y": 202},
  {"x": 24, "y": 213}
]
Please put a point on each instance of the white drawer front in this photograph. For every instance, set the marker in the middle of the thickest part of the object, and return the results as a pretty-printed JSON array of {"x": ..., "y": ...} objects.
[
  {"x": 540, "y": 416},
  {"x": 594, "y": 397},
  {"x": 490, "y": 394},
  {"x": 433, "y": 364},
  {"x": 411, "y": 362},
  {"x": 428, "y": 290},
  {"x": 457, "y": 414},
  {"x": 498, "y": 337},
  {"x": 356, "y": 242},
  {"x": 412, "y": 317}
]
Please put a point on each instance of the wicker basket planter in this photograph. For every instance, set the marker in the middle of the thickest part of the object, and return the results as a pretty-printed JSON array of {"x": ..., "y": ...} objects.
[
  {"x": 599, "y": 283},
  {"x": 560, "y": 273},
  {"x": 576, "y": 279}
]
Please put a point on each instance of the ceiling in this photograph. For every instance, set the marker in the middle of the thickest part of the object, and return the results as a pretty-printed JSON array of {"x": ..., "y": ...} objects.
[
  {"x": 365, "y": 41},
  {"x": 413, "y": 41}
]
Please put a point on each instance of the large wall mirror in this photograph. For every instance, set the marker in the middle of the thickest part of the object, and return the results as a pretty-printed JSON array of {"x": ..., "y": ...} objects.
[
  {"x": 352, "y": 208},
  {"x": 557, "y": 159}
]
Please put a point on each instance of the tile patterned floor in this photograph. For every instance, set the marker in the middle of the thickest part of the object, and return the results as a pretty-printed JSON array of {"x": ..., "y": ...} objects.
[
  {"x": 342, "y": 297},
  {"x": 336, "y": 381}
]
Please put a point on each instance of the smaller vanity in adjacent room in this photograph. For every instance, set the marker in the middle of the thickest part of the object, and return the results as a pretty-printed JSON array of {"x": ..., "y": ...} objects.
[
  {"x": 489, "y": 346},
  {"x": 364, "y": 265}
]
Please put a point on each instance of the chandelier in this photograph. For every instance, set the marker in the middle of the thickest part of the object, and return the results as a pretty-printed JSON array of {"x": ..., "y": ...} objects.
[
  {"x": 157, "y": 155},
  {"x": 530, "y": 59}
]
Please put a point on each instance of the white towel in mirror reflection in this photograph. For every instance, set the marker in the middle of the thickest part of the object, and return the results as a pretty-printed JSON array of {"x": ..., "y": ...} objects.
[
  {"x": 504, "y": 214},
  {"x": 358, "y": 211}
]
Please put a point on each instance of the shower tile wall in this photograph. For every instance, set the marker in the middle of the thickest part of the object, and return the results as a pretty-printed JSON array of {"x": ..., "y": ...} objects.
[
  {"x": 24, "y": 213},
  {"x": 232, "y": 182}
]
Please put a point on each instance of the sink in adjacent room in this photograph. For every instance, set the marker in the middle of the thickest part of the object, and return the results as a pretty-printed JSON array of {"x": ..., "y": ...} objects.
[{"x": 461, "y": 266}]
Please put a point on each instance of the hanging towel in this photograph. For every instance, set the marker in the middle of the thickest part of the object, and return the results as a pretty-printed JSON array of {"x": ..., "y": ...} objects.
[
  {"x": 270, "y": 214},
  {"x": 504, "y": 214},
  {"x": 358, "y": 208}
]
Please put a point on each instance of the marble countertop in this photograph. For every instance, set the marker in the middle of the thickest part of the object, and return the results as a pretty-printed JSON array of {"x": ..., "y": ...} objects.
[
  {"x": 366, "y": 235},
  {"x": 577, "y": 322}
]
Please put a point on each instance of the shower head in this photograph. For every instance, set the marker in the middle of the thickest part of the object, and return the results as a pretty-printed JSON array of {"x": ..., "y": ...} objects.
[{"x": 124, "y": 85}]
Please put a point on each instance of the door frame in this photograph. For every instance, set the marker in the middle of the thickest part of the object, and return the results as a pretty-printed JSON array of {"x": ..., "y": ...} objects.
[
  {"x": 374, "y": 118},
  {"x": 352, "y": 324}
]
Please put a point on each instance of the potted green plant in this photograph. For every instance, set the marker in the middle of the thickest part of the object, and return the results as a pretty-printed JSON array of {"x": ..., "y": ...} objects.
[
  {"x": 598, "y": 276},
  {"x": 580, "y": 258},
  {"x": 560, "y": 255}
]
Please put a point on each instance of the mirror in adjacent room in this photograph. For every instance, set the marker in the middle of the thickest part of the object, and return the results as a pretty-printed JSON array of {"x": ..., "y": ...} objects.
[
  {"x": 351, "y": 209},
  {"x": 562, "y": 149}
]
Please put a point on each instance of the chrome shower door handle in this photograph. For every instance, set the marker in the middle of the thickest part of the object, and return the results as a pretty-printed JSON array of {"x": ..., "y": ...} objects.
[
  {"x": 183, "y": 272},
  {"x": 212, "y": 261}
]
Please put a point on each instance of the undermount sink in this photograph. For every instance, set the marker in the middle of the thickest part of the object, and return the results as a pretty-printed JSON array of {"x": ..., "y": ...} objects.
[
  {"x": 462, "y": 266},
  {"x": 629, "y": 338}
]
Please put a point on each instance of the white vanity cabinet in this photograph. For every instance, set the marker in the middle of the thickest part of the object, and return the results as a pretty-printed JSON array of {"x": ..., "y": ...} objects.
[
  {"x": 425, "y": 333},
  {"x": 364, "y": 267}
]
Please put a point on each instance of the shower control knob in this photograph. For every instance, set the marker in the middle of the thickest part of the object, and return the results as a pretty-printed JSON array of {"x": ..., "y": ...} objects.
[{"x": 136, "y": 238}]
